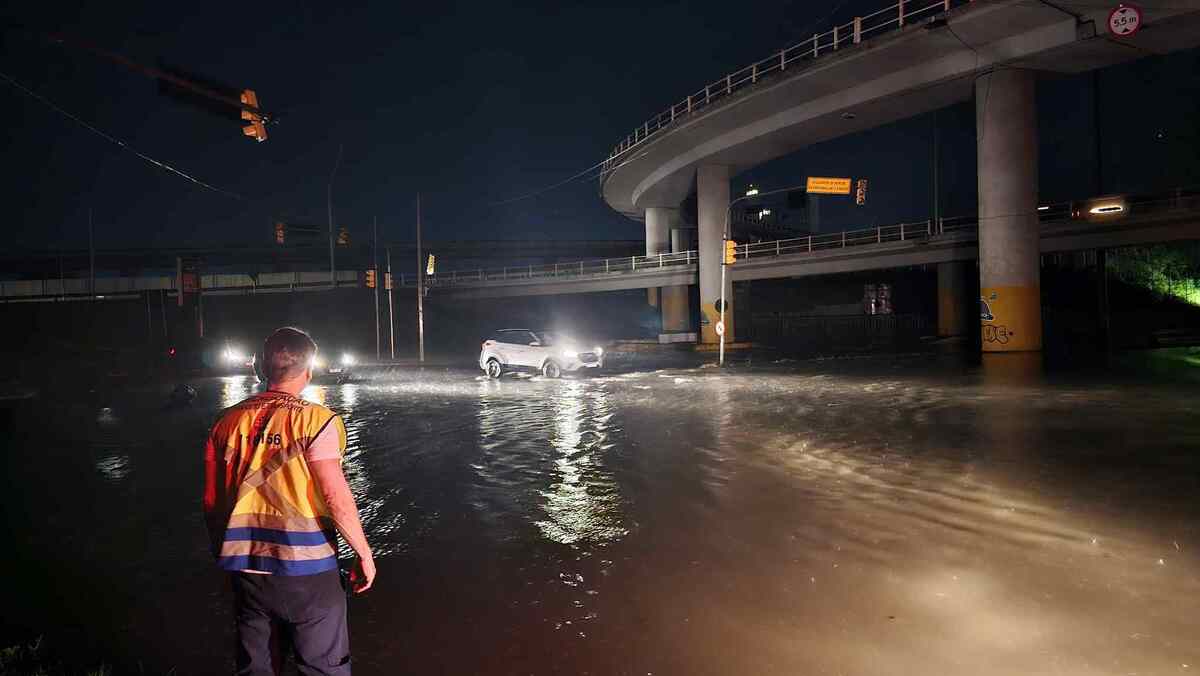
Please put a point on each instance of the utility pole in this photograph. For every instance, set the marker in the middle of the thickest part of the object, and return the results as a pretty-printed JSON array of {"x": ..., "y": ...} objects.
[
  {"x": 391, "y": 320},
  {"x": 62, "y": 290},
  {"x": 91, "y": 258},
  {"x": 329, "y": 207},
  {"x": 375, "y": 266},
  {"x": 420, "y": 289},
  {"x": 937, "y": 174}
]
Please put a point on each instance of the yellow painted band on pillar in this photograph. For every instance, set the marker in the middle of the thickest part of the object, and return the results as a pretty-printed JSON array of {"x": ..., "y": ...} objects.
[
  {"x": 709, "y": 319},
  {"x": 675, "y": 309},
  {"x": 1011, "y": 318}
]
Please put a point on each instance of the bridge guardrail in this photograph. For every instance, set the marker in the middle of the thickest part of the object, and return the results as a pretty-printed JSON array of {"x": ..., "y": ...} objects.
[
  {"x": 897, "y": 15},
  {"x": 927, "y": 230},
  {"x": 600, "y": 266},
  {"x": 1080, "y": 211}
]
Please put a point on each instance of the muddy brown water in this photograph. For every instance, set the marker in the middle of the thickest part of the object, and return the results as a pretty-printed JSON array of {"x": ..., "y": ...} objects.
[{"x": 874, "y": 517}]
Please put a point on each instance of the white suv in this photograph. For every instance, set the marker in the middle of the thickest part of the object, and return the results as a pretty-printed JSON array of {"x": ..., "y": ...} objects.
[{"x": 550, "y": 354}]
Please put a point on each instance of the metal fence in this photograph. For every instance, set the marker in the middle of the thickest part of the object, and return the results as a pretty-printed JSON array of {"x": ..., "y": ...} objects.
[{"x": 890, "y": 18}]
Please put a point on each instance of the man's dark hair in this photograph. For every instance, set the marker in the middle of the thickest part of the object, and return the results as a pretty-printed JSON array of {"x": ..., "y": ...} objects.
[{"x": 287, "y": 353}]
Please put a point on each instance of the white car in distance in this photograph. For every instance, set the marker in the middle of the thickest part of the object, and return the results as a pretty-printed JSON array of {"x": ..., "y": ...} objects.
[{"x": 541, "y": 351}]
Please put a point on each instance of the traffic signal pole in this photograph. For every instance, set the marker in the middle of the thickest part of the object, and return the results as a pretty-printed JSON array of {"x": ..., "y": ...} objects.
[
  {"x": 375, "y": 267},
  {"x": 724, "y": 245},
  {"x": 159, "y": 74},
  {"x": 329, "y": 207},
  {"x": 391, "y": 319},
  {"x": 724, "y": 265},
  {"x": 420, "y": 289}
]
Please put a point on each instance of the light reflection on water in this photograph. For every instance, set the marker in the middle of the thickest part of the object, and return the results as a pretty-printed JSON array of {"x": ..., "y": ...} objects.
[
  {"x": 114, "y": 467},
  {"x": 583, "y": 503},
  {"x": 235, "y": 389},
  {"x": 314, "y": 393},
  {"x": 547, "y": 439}
]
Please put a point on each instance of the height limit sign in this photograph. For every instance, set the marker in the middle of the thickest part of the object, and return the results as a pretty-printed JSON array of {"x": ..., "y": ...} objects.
[{"x": 1124, "y": 20}]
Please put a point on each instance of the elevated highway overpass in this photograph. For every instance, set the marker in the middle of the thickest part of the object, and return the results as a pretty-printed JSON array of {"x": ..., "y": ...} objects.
[
  {"x": 908, "y": 58},
  {"x": 1063, "y": 227}
]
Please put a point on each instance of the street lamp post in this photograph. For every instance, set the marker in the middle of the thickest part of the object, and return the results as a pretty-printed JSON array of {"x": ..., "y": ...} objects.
[{"x": 752, "y": 192}]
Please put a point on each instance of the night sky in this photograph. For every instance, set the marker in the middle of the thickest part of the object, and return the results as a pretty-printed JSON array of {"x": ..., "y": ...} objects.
[{"x": 473, "y": 104}]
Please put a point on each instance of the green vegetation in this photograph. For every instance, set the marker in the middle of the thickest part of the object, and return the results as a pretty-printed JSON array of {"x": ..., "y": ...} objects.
[{"x": 1168, "y": 270}]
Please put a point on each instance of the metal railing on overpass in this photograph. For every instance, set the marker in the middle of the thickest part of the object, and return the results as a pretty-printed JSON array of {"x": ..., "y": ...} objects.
[
  {"x": 1090, "y": 215},
  {"x": 601, "y": 266},
  {"x": 891, "y": 18},
  {"x": 1080, "y": 211}
]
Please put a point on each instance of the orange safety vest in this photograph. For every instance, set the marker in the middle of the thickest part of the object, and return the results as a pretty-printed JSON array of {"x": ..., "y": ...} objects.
[{"x": 256, "y": 472}]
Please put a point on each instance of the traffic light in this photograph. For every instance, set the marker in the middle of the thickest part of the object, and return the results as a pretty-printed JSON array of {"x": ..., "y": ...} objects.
[
  {"x": 256, "y": 129},
  {"x": 371, "y": 278},
  {"x": 860, "y": 192},
  {"x": 343, "y": 237},
  {"x": 387, "y": 281},
  {"x": 730, "y": 252},
  {"x": 280, "y": 232},
  {"x": 430, "y": 266}
]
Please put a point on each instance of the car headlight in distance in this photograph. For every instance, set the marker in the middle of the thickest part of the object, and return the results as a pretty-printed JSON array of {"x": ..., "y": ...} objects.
[
  {"x": 598, "y": 350},
  {"x": 318, "y": 363},
  {"x": 348, "y": 359},
  {"x": 232, "y": 355},
  {"x": 570, "y": 354}
]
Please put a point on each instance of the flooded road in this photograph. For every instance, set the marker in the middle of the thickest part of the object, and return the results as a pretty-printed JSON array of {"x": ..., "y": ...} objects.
[{"x": 858, "y": 517}]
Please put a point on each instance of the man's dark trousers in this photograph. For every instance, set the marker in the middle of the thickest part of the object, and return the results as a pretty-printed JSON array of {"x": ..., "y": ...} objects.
[{"x": 307, "y": 612}]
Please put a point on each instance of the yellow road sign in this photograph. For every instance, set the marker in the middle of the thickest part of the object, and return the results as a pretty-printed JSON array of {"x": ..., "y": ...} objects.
[{"x": 828, "y": 186}]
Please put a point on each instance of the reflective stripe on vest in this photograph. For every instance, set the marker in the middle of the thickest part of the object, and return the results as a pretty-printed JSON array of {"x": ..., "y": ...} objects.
[{"x": 278, "y": 521}]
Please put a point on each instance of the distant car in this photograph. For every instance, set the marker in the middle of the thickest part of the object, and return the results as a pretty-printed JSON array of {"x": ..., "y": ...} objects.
[
  {"x": 338, "y": 366},
  {"x": 205, "y": 356},
  {"x": 540, "y": 351},
  {"x": 235, "y": 360}
]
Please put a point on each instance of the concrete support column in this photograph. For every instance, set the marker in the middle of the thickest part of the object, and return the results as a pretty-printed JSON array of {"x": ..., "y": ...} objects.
[
  {"x": 953, "y": 306},
  {"x": 712, "y": 205},
  {"x": 659, "y": 221},
  {"x": 675, "y": 299},
  {"x": 1009, "y": 270}
]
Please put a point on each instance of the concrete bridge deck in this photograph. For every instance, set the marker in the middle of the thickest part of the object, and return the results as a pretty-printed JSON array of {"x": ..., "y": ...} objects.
[{"x": 1164, "y": 217}]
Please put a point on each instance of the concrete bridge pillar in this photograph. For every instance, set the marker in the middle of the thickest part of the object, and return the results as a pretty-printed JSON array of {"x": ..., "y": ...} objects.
[
  {"x": 954, "y": 308},
  {"x": 712, "y": 206},
  {"x": 675, "y": 299},
  {"x": 1009, "y": 270},
  {"x": 659, "y": 221}
]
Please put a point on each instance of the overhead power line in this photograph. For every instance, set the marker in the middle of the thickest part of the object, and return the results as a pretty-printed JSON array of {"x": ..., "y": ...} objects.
[{"x": 116, "y": 141}]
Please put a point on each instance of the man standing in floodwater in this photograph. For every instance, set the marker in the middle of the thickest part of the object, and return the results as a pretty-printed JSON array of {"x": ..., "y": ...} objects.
[{"x": 274, "y": 493}]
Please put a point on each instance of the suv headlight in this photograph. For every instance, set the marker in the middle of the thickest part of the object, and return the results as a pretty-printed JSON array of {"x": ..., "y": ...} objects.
[
  {"x": 348, "y": 359},
  {"x": 599, "y": 351}
]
